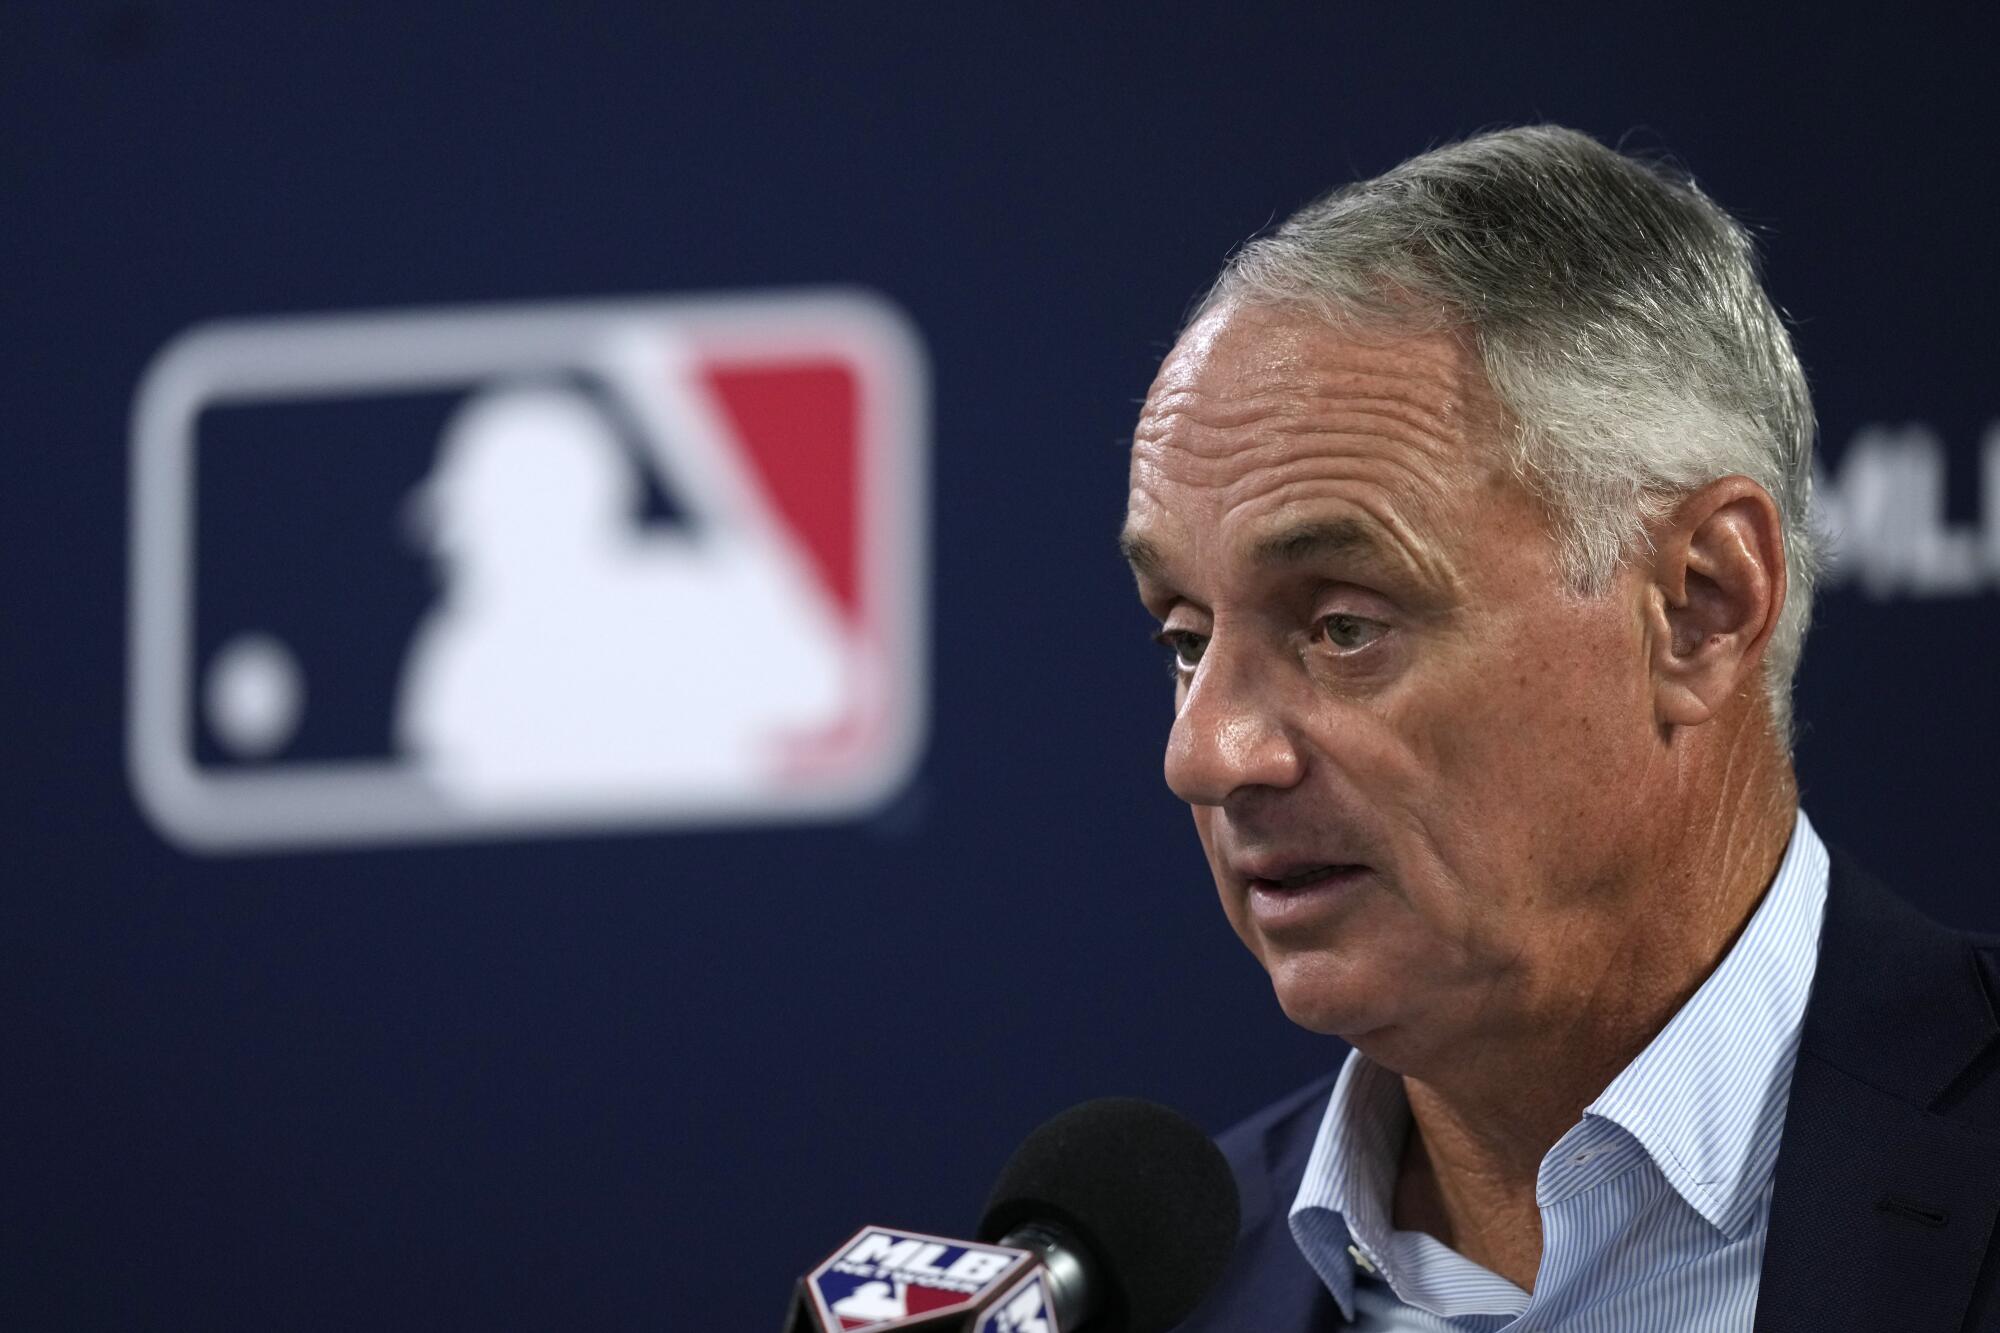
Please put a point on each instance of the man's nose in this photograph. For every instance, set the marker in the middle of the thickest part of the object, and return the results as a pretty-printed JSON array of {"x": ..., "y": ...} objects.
[{"x": 1229, "y": 734}]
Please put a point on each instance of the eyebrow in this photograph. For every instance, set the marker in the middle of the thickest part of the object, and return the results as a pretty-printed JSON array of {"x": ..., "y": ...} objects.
[
  {"x": 1320, "y": 540},
  {"x": 1142, "y": 555},
  {"x": 1303, "y": 545},
  {"x": 1308, "y": 542}
]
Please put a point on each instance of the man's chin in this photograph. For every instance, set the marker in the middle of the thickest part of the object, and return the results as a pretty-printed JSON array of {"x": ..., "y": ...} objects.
[{"x": 1330, "y": 1006}]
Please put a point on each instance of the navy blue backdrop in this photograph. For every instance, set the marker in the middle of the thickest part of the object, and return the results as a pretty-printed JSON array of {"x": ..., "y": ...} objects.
[{"x": 639, "y": 1080}]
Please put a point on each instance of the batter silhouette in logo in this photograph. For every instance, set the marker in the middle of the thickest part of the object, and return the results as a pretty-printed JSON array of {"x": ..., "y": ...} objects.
[
  {"x": 872, "y": 1301},
  {"x": 578, "y": 653}
]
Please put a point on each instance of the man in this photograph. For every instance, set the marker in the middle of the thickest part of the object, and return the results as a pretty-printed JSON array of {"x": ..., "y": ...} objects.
[{"x": 1473, "y": 505}]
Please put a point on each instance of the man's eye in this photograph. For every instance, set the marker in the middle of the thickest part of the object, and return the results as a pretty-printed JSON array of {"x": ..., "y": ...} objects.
[
  {"x": 1350, "y": 633},
  {"x": 1184, "y": 649}
]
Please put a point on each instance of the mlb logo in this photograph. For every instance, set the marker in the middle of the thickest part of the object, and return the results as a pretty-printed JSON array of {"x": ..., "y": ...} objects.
[
  {"x": 883, "y": 1280},
  {"x": 1029, "y": 1308},
  {"x": 443, "y": 574}
]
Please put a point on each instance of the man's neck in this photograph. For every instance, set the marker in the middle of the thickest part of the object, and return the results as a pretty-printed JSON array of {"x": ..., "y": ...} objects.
[{"x": 1469, "y": 1170}]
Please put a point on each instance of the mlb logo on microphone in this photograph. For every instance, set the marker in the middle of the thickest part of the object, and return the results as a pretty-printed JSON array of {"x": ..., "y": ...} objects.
[
  {"x": 458, "y": 573},
  {"x": 1029, "y": 1308},
  {"x": 882, "y": 1280}
]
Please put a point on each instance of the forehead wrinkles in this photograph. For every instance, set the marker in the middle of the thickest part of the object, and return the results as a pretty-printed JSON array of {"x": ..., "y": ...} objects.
[
  {"x": 1392, "y": 436},
  {"x": 1261, "y": 495},
  {"x": 1284, "y": 394},
  {"x": 1216, "y": 442}
]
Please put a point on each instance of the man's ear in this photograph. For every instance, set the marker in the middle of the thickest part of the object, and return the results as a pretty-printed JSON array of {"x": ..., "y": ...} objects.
[{"x": 1718, "y": 585}]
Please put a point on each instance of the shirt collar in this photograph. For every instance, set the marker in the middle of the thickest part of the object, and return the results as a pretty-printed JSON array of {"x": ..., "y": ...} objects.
[
  {"x": 1705, "y": 1099},
  {"x": 1351, "y": 1175}
]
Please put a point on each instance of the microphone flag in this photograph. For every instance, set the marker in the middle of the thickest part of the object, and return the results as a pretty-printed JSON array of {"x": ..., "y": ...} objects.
[{"x": 882, "y": 1280}]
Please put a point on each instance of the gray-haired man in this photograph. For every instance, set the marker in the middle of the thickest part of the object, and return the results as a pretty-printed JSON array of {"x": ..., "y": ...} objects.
[{"x": 1473, "y": 505}]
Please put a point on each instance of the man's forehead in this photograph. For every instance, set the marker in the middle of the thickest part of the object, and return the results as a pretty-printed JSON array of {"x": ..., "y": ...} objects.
[
  {"x": 1261, "y": 412},
  {"x": 1240, "y": 349}
]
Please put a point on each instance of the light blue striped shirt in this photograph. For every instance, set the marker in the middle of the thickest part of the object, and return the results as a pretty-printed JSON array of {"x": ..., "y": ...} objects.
[{"x": 1654, "y": 1204}]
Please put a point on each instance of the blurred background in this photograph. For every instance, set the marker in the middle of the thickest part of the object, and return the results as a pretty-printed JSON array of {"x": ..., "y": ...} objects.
[{"x": 315, "y": 1018}]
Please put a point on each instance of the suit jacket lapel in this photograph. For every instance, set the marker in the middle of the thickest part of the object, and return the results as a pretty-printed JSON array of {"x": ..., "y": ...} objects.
[
  {"x": 1877, "y": 1189},
  {"x": 1269, "y": 1287},
  {"x": 1292, "y": 1296}
]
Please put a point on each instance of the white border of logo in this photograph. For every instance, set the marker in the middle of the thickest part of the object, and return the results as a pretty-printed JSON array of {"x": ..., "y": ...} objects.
[
  {"x": 371, "y": 802},
  {"x": 962, "y": 1310}
]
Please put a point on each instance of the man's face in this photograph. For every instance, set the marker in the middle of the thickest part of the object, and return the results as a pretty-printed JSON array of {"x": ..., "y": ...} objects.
[{"x": 1415, "y": 759}]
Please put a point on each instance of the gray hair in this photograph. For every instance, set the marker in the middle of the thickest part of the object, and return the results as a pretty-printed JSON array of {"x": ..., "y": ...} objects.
[{"x": 1620, "y": 319}]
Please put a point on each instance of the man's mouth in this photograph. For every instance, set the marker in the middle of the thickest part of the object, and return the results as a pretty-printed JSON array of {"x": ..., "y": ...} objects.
[
  {"x": 1298, "y": 895},
  {"x": 1307, "y": 878}
]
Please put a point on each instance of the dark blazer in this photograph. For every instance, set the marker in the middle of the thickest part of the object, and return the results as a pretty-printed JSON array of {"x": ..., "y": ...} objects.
[{"x": 1888, "y": 1176}]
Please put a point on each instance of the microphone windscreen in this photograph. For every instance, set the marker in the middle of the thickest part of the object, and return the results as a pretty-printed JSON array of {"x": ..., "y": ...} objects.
[{"x": 1143, "y": 1188}]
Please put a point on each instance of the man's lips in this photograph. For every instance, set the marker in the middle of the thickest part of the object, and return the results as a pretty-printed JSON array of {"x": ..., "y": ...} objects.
[
  {"x": 1298, "y": 879},
  {"x": 1283, "y": 871},
  {"x": 1293, "y": 893}
]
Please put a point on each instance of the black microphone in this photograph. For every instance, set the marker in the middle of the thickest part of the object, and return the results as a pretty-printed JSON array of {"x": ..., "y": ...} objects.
[{"x": 1117, "y": 1216}]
